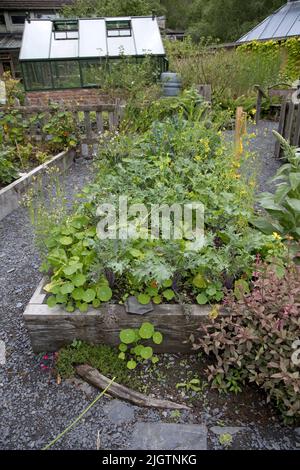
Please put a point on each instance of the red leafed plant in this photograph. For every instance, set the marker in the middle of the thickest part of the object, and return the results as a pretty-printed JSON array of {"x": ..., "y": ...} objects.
[{"x": 256, "y": 339}]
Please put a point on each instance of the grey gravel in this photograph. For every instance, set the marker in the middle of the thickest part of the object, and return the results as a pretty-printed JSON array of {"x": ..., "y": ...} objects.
[{"x": 34, "y": 409}]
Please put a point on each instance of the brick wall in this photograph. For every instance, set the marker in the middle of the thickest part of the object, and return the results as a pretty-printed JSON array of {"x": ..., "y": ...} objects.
[{"x": 71, "y": 96}]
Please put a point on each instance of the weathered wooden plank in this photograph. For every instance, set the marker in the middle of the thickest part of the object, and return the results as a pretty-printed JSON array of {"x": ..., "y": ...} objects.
[
  {"x": 52, "y": 328},
  {"x": 99, "y": 121},
  {"x": 87, "y": 123},
  {"x": 296, "y": 136},
  {"x": 111, "y": 121},
  {"x": 282, "y": 118}
]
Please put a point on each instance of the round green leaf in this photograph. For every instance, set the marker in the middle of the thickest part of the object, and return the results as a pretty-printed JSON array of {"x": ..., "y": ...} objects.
[
  {"x": 89, "y": 295},
  {"x": 202, "y": 299},
  {"x": 121, "y": 356},
  {"x": 66, "y": 241},
  {"x": 199, "y": 281},
  {"x": 157, "y": 299},
  {"x": 96, "y": 303},
  {"x": 147, "y": 352},
  {"x": 146, "y": 330},
  {"x": 123, "y": 347},
  {"x": 167, "y": 283},
  {"x": 143, "y": 299},
  {"x": 157, "y": 338},
  {"x": 104, "y": 293},
  {"x": 83, "y": 307},
  {"x": 51, "y": 301},
  {"x": 79, "y": 280},
  {"x": 138, "y": 349},
  {"x": 127, "y": 336},
  {"x": 78, "y": 293},
  {"x": 154, "y": 359},
  {"x": 67, "y": 288},
  {"x": 168, "y": 294},
  {"x": 131, "y": 364},
  {"x": 61, "y": 298},
  {"x": 70, "y": 308}
]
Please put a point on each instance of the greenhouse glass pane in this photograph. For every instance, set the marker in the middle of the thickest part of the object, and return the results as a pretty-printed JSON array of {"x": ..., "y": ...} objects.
[
  {"x": 92, "y": 72},
  {"x": 66, "y": 74},
  {"x": 37, "y": 75},
  {"x": 36, "y": 40},
  {"x": 92, "y": 41}
]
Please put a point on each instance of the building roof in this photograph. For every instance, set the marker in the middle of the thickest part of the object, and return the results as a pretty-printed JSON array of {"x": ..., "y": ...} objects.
[
  {"x": 10, "y": 41},
  {"x": 33, "y": 4},
  {"x": 40, "y": 41},
  {"x": 282, "y": 24}
]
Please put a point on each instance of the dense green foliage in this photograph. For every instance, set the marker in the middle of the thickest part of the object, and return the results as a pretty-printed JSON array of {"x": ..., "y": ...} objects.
[
  {"x": 178, "y": 160},
  {"x": 283, "y": 207},
  {"x": 87, "y": 8},
  {"x": 226, "y": 20}
]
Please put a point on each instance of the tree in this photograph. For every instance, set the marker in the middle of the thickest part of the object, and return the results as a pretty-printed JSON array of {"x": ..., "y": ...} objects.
[{"x": 89, "y": 8}]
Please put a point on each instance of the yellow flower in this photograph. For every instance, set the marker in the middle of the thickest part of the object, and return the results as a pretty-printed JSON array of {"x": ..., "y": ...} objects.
[{"x": 276, "y": 236}]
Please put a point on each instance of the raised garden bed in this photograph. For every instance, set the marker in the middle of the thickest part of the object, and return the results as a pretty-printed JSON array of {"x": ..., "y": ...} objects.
[
  {"x": 52, "y": 328},
  {"x": 11, "y": 195}
]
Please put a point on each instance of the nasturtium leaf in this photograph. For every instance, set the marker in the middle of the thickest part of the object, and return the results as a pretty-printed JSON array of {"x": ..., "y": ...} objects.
[
  {"x": 219, "y": 296},
  {"x": 147, "y": 352},
  {"x": 79, "y": 280},
  {"x": 157, "y": 299},
  {"x": 167, "y": 283},
  {"x": 51, "y": 301},
  {"x": 131, "y": 364},
  {"x": 127, "y": 336},
  {"x": 202, "y": 299},
  {"x": 70, "y": 308},
  {"x": 168, "y": 294},
  {"x": 78, "y": 293},
  {"x": 66, "y": 240},
  {"x": 138, "y": 349},
  {"x": 154, "y": 359},
  {"x": 72, "y": 268},
  {"x": 96, "y": 303},
  {"x": 104, "y": 293},
  {"x": 121, "y": 356},
  {"x": 211, "y": 291},
  {"x": 199, "y": 281},
  {"x": 157, "y": 337},
  {"x": 67, "y": 288},
  {"x": 83, "y": 307},
  {"x": 143, "y": 299},
  {"x": 152, "y": 291},
  {"x": 89, "y": 295},
  {"x": 146, "y": 330},
  {"x": 61, "y": 298},
  {"x": 123, "y": 347}
]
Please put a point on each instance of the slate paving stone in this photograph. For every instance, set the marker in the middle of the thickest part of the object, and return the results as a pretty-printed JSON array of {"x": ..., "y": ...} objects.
[
  {"x": 219, "y": 430},
  {"x": 119, "y": 412},
  {"x": 168, "y": 436}
]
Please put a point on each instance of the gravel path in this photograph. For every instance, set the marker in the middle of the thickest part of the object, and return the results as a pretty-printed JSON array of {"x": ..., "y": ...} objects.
[{"x": 33, "y": 408}]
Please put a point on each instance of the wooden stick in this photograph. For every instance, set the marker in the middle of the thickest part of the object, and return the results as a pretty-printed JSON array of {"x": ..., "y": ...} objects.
[{"x": 93, "y": 377}]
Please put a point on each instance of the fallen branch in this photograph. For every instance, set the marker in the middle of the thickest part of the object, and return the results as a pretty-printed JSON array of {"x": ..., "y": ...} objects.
[{"x": 93, "y": 377}]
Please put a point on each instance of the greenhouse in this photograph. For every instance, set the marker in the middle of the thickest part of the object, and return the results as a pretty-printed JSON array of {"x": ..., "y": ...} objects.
[{"x": 59, "y": 54}]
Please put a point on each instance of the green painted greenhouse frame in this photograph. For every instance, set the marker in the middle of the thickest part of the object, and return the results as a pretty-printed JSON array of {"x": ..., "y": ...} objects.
[{"x": 70, "y": 60}]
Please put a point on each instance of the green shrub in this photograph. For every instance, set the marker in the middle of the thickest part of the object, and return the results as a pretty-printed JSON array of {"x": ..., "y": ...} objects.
[
  {"x": 8, "y": 173},
  {"x": 255, "y": 340},
  {"x": 283, "y": 207}
]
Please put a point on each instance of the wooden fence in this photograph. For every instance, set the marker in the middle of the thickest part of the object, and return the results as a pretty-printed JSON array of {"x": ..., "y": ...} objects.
[
  {"x": 289, "y": 125},
  {"x": 91, "y": 120}
]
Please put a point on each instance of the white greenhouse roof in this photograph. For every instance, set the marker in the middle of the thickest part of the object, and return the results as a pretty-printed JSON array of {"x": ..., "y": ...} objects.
[
  {"x": 282, "y": 24},
  {"x": 93, "y": 38}
]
